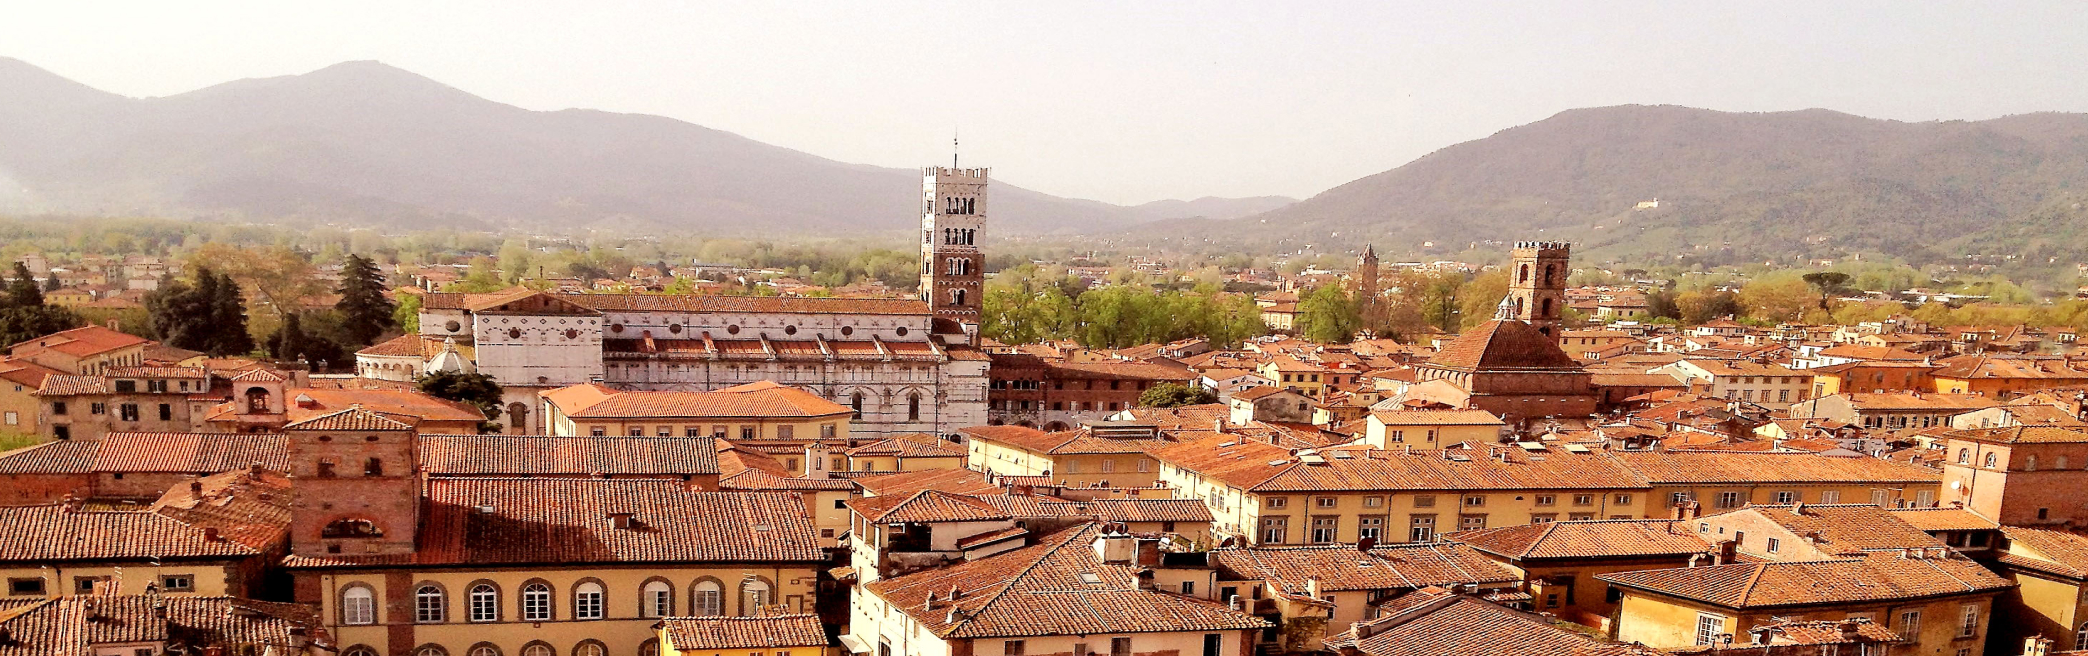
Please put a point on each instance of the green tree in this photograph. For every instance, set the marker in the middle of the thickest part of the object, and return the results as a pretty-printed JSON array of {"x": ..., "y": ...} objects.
[
  {"x": 1328, "y": 316},
  {"x": 477, "y": 389},
  {"x": 364, "y": 311},
  {"x": 1703, "y": 306},
  {"x": 22, "y": 291},
  {"x": 407, "y": 314},
  {"x": 23, "y": 313},
  {"x": 1175, "y": 395},
  {"x": 1828, "y": 283},
  {"x": 229, "y": 319}
]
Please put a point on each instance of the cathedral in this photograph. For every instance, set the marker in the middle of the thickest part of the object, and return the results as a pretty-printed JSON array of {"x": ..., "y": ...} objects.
[
  {"x": 1512, "y": 366},
  {"x": 903, "y": 366}
]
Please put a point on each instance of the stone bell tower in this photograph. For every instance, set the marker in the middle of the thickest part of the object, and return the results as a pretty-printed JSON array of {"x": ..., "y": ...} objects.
[
  {"x": 953, "y": 212},
  {"x": 1537, "y": 284}
]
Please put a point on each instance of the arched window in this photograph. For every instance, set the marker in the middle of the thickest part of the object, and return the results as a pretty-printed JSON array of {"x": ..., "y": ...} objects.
[
  {"x": 656, "y": 599},
  {"x": 1547, "y": 309},
  {"x": 956, "y": 297},
  {"x": 587, "y": 601},
  {"x": 359, "y": 650},
  {"x": 358, "y": 605},
  {"x": 429, "y": 605},
  {"x": 351, "y": 528},
  {"x": 754, "y": 593},
  {"x": 913, "y": 406},
  {"x": 1990, "y": 459},
  {"x": 1523, "y": 273},
  {"x": 257, "y": 400},
  {"x": 483, "y": 649},
  {"x": 518, "y": 417},
  {"x": 485, "y": 603},
  {"x": 536, "y": 602},
  {"x": 537, "y": 649},
  {"x": 651, "y": 647},
  {"x": 2081, "y": 637},
  {"x": 1964, "y": 456},
  {"x": 855, "y": 401},
  {"x": 707, "y": 599},
  {"x": 1548, "y": 275},
  {"x": 430, "y": 650},
  {"x": 590, "y": 648}
]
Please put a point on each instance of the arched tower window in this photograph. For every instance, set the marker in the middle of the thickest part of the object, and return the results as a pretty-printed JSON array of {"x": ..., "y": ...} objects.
[
  {"x": 1548, "y": 271},
  {"x": 855, "y": 401},
  {"x": 257, "y": 400},
  {"x": 956, "y": 297},
  {"x": 913, "y": 406},
  {"x": 707, "y": 599},
  {"x": 656, "y": 599},
  {"x": 1524, "y": 274},
  {"x": 1547, "y": 309}
]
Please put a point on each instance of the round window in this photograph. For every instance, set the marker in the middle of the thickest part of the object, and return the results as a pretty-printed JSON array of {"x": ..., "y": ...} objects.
[
  {"x": 615, "y": 327},
  {"x": 675, "y": 328},
  {"x": 514, "y": 333},
  {"x": 790, "y": 330},
  {"x": 453, "y": 326},
  {"x": 901, "y": 331},
  {"x": 847, "y": 330},
  {"x": 732, "y": 329}
]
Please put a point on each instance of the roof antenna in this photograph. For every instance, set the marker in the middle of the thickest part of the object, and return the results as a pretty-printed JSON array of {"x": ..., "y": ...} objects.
[{"x": 953, "y": 148}]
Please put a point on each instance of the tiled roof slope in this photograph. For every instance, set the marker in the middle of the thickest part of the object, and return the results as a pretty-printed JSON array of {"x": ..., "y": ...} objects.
[
  {"x": 1845, "y": 529},
  {"x": 714, "y": 633},
  {"x": 520, "y": 455},
  {"x": 62, "y": 626},
  {"x": 53, "y": 533},
  {"x": 1263, "y": 467},
  {"x": 2047, "y": 550},
  {"x": 1604, "y": 538},
  {"x": 1503, "y": 345},
  {"x": 925, "y": 506},
  {"x": 1692, "y": 467},
  {"x": 1343, "y": 567},
  {"x": 905, "y": 484},
  {"x": 1137, "y": 510},
  {"x": 351, "y": 419},
  {"x": 1437, "y": 623},
  {"x": 2022, "y": 435},
  {"x": 1039, "y": 591},
  {"x": 198, "y": 453},
  {"x": 249, "y": 506},
  {"x": 1773, "y": 584},
  {"x": 505, "y": 521},
  {"x": 765, "y": 399}
]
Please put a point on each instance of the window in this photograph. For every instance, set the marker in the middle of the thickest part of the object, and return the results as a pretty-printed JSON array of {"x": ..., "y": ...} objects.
[
  {"x": 1990, "y": 459},
  {"x": 1373, "y": 502},
  {"x": 597, "y": 431},
  {"x": 1786, "y": 496},
  {"x": 428, "y": 605},
  {"x": 1273, "y": 529},
  {"x": 1547, "y": 499},
  {"x": 358, "y": 606},
  {"x": 537, "y": 649},
  {"x": 1474, "y": 500},
  {"x": 754, "y": 595},
  {"x": 1471, "y": 522},
  {"x": 2081, "y": 636},
  {"x": 590, "y": 648},
  {"x": 536, "y": 602},
  {"x": 826, "y": 431},
  {"x": 485, "y": 603},
  {"x": 1971, "y": 621},
  {"x": 1370, "y": 528},
  {"x": 358, "y": 650},
  {"x": 57, "y": 407},
  {"x": 637, "y": 431},
  {"x": 1325, "y": 529},
  {"x": 1278, "y": 502},
  {"x": 178, "y": 583},
  {"x": 128, "y": 411},
  {"x": 1773, "y": 544},
  {"x": 25, "y": 587},
  {"x": 1189, "y": 587},
  {"x": 1422, "y": 528},
  {"x": 1623, "y": 500},
  {"x": 1326, "y": 502},
  {"x": 1119, "y": 647},
  {"x": 1708, "y": 628},
  {"x": 1909, "y": 623},
  {"x": 1424, "y": 501},
  {"x": 587, "y": 601},
  {"x": 913, "y": 407},
  {"x": 746, "y": 432},
  {"x": 1964, "y": 456},
  {"x": 1012, "y": 648},
  {"x": 1729, "y": 499},
  {"x": 707, "y": 599},
  {"x": 1830, "y": 496}
]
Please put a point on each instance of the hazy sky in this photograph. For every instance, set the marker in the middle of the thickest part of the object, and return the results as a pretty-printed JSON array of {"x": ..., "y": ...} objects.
[{"x": 1118, "y": 101}]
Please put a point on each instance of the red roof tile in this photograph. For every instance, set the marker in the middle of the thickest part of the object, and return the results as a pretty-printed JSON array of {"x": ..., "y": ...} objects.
[
  {"x": 522, "y": 455},
  {"x": 719, "y": 633}
]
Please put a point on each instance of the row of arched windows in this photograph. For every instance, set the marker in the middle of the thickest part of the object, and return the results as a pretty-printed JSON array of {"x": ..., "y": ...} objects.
[
  {"x": 960, "y": 236},
  {"x": 957, "y": 205},
  {"x": 534, "y": 648},
  {"x": 1993, "y": 460},
  {"x": 537, "y": 603}
]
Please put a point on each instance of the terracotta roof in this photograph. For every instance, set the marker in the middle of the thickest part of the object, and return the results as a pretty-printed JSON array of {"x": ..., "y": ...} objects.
[
  {"x": 1045, "y": 590},
  {"x": 195, "y": 453},
  {"x": 2022, "y": 435},
  {"x": 1503, "y": 345},
  {"x": 1137, "y": 510},
  {"x": 1262, "y": 467},
  {"x": 73, "y": 385},
  {"x": 1060, "y": 443},
  {"x": 403, "y": 345},
  {"x": 1843, "y": 529},
  {"x": 156, "y": 372},
  {"x": 250, "y": 506},
  {"x": 351, "y": 419},
  {"x": 1943, "y": 519},
  {"x": 1856, "y": 352},
  {"x": 25, "y": 373},
  {"x": 718, "y": 633},
  {"x": 502, "y": 521},
  {"x": 53, "y": 533},
  {"x": 2048, "y": 550},
  {"x": 1917, "y": 401},
  {"x": 1453, "y": 417},
  {"x": 260, "y": 376},
  {"x": 1772, "y": 584},
  {"x": 523, "y": 455},
  {"x": 1611, "y": 538},
  {"x": 758, "y": 480},
  {"x": 68, "y": 626},
  {"x": 79, "y": 342},
  {"x": 905, "y": 484},
  {"x": 762, "y": 399},
  {"x": 1121, "y": 370},
  {"x": 404, "y": 405},
  {"x": 905, "y": 447},
  {"x": 1825, "y": 632},
  {"x": 923, "y": 507},
  {"x": 1343, "y": 567},
  {"x": 1696, "y": 467},
  {"x": 1437, "y": 623}
]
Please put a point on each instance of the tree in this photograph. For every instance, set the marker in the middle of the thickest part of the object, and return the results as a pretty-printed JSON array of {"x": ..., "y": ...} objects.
[
  {"x": 477, "y": 389},
  {"x": 22, "y": 291},
  {"x": 1175, "y": 395},
  {"x": 1662, "y": 304},
  {"x": 407, "y": 315},
  {"x": 52, "y": 284},
  {"x": 23, "y": 313},
  {"x": 288, "y": 342},
  {"x": 281, "y": 278},
  {"x": 209, "y": 316},
  {"x": 1776, "y": 298},
  {"x": 1328, "y": 316},
  {"x": 1700, "y": 307},
  {"x": 1481, "y": 296},
  {"x": 1828, "y": 283},
  {"x": 365, "y": 312},
  {"x": 229, "y": 319}
]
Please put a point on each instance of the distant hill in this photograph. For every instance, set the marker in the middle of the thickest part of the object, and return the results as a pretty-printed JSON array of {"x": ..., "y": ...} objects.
[
  {"x": 1736, "y": 187},
  {"x": 366, "y": 143}
]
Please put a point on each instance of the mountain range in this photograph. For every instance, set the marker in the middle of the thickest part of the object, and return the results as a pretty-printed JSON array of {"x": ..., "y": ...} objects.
[
  {"x": 1730, "y": 188},
  {"x": 367, "y": 143}
]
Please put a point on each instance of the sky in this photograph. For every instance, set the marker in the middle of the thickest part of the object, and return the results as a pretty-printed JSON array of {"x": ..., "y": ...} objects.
[{"x": 1119, "y": 101}]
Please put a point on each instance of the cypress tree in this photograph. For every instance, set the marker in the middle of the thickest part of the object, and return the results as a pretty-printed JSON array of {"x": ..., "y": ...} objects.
[
  {"x": 227, "y": 309},
  {"x": 365, "y": 312}
]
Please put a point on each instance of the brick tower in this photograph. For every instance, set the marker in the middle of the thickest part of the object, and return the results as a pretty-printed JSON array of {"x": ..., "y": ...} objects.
[
  {"x": 1537, "y": 283},
  {"x": 358, "y": 484},
  {"x": 953, "y": 211},
  {"x": 1367, "y": 288}
]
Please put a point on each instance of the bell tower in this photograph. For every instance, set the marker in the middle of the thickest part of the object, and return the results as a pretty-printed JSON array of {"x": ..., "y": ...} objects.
[
  {"x": 358, "y": 484},
  {"x": 1367, "y": 288},
  {"x": 953, "y": 212},
  {"x": 1537, "y": 283}
]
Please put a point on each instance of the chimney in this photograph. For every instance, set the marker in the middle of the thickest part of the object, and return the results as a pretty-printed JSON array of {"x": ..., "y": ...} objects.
[
  {"x": 623, "y": 520},
  {"x": 113, "y": 325},
  {"x": 1798, "y": 508},
  {"x": 196, "y": 488},
  {"x": 1728, "y": 551},
  {"x": 1235, "y": 603},
  {"x": 1312, "y": 586},
  {"x": 1366, "y": 544},
  {"x": 210, "y": 534}
]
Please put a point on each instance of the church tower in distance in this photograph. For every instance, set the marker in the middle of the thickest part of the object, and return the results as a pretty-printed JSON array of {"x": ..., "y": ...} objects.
[
  {"x": 1367, "y": 288},
  {"x": 953, "y": 210},
  {"x": 1537, "y": 283}
]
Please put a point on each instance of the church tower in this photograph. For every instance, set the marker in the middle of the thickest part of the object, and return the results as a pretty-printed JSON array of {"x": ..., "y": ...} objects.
[
  {"x": 1537, "y": 284},
  {"x": 953, "y": 210},
  {"x": 1367, "y": 288}
]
